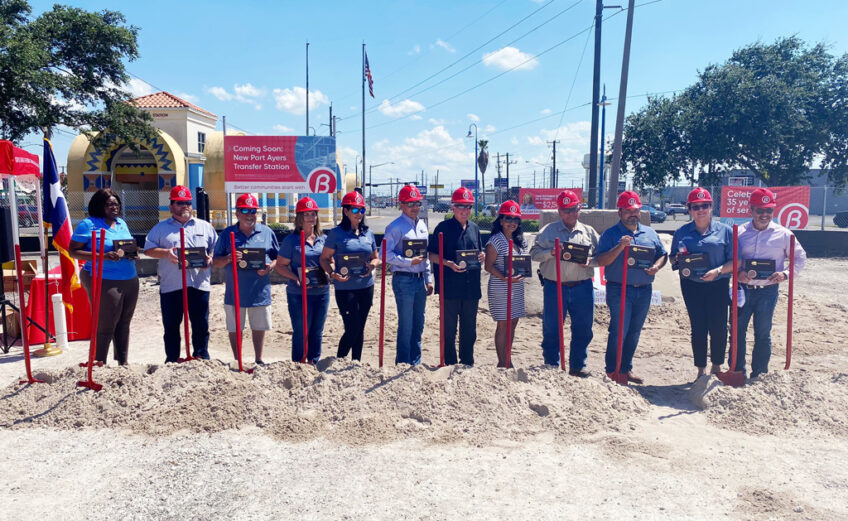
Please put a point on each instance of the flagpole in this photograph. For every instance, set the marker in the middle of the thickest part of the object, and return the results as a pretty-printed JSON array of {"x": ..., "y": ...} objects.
[
  {"x": 363, "y": 116},
  {"x": 48, "y": 349},
  {"x": 307, "y": 87}
]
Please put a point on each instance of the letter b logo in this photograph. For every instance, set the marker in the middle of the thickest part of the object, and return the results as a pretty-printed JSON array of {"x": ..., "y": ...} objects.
[{"x": 322, "y": 181}]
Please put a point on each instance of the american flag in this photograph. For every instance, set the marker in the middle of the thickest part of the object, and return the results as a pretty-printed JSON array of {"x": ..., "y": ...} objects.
[{"x": 368, "y": 75}]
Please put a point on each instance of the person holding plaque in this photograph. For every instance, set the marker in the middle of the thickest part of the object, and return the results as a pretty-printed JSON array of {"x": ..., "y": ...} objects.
[
  {"x": 463, "y": 257},
  {"x": 406, "y": 254},
  {"x": 317, "y": 283},
  {"x": 629, "y": 233},
  {"x": 762, "y": 243},
  {"x": 119, "y": 292},
  {"x": 163, "y": 243},
  {"x": 349, "y": 258},
  {"x": 702, "y": 252},
  {"x": 507, "y": 226},
  {"x": 256, "y": 254},
  {"x": 578, "y": 244}
]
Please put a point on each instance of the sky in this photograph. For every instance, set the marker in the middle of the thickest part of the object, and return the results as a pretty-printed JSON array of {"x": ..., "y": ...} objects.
[{"x": 520, "y": 70}]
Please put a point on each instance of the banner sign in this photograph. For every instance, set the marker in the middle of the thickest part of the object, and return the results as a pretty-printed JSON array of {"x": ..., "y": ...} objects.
[
  {"x": 280, "y": 164},
  {"x": 469, "y": 184},
  {"x": 534, "y": 200},
  {"x": 792, "y": 210}
]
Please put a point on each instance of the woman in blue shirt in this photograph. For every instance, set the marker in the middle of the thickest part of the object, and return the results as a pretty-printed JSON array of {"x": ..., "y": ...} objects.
[
  {"x": 317, "y": 296},
  {"x": 354, "y": 293},
  {"x": 119, "y": 292},
  {"x": 706, "y": 296}
]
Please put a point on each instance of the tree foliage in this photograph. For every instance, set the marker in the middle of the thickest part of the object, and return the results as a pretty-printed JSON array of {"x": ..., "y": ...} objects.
[
  {"x": 772, "y": 109},
  {"x": 66, "y": 67}
]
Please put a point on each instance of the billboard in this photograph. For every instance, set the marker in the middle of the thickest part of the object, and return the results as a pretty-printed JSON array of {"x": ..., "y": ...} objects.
[
  {"x": 279, "y": 164},
  {"x": 792, "y": 210},
  {"x": 469, "y": 184},
  {"x": 534, "y": 200}
]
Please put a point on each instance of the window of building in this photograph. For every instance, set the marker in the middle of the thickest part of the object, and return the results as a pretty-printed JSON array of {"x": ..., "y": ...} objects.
[{"x": 201, "y": 142}]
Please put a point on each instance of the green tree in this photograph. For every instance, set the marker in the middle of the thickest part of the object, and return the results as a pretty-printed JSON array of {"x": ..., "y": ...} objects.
[
  {"x": 66, "y": 67},
  {"x": 654, "y": 146}
]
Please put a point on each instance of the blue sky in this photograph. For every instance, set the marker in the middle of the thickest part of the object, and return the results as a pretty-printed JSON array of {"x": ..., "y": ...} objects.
[{"x": 246, "y": 60}]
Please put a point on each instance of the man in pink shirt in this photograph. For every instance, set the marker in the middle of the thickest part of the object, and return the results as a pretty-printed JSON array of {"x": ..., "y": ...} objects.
[{"x": 761, "y": 241}]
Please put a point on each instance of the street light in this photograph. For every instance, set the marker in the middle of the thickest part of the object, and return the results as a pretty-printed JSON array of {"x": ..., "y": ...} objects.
[
  {"x": 476, "y": 182},
  {"x": 603, "y": 105},
  {"x": 371, "y": 184}
]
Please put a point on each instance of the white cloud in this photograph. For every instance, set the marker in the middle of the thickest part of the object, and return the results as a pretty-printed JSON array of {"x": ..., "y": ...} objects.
[
  {"x": 510, "y": 57},
  {"x": 191, "y": 98},
  {"x": 245, "y": 93},
  {"x": 473, "y": 117},
  {"x": 434, "y": 121},
  {"x": 444, "y": 45},
  {"x": 514, "y": 140},
  {"x": 416, "y": 117},
  {"x": 282, "y": 129},
  {"x": 401, "y": 108},
  {"x": 139, "y": 87},
  {"x": 573, "y": 143},
  {"x": 220, "y": 93},
  {"x": 545, "y": 112},
  {"x": 416, "y": 49},
  {"x": 535, "y": 140},
  {"x": 489, "y": 128},
  {"x": 293, "y": 100},
  {"x": 432, "y": 149}
]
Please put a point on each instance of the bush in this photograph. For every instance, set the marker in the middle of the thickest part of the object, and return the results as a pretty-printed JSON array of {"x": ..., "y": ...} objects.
[
  {"x": 279, "y": 227},
  {"x": 485, "y": 223}
]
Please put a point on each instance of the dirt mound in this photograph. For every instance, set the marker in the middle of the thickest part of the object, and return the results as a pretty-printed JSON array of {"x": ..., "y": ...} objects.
[
  {"x": 339, "y": 400},
  {"x": 795, "y": 402}
]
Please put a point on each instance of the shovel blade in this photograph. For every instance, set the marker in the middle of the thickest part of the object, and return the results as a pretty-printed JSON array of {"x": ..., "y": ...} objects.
[
  {"x": 183, "y": 360},
  {"x": 619, "y": 378},
  {"x": 732, "y": 378},
  {"x": 94, "y": 386}
]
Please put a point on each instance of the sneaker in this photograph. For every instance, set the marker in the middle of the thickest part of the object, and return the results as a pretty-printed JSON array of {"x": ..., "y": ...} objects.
[{"x": 580, "y": 373}]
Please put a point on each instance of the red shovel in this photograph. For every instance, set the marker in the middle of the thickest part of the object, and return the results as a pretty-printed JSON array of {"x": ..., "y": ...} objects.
[
  {"x": 236, "y": 300},
  {"x": 24, "y": 330},
  {"x": 97, "y": 273},
  {"x": 509, "y": 307},
  {"x": 303, "y": 296},
  {"x": 791, "y": 292},
  {"x": 382, "y": 298},
  {"x": 733, "y": 377},
  {"x": 441, "y": 299},
  {"x": 559, "y": 305},
  {"x": 617, "y": 376},
  {"x": 185, "y": 299}
]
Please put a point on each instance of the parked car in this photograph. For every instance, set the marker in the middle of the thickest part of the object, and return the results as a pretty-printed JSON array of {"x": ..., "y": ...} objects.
[
  {"x": 657, "y": 216},
  {"x": 441, "y": 206},
  {"x": 676, "y": 208},
  {"x": 490, "y": 210},
  {"x": 841, "y": 219}
]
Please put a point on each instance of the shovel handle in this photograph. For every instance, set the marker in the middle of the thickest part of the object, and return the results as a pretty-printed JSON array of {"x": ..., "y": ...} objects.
[
  {"x": 236, "y": 300},
  {"x": 509, "y": 306},
  {"x": 185, "y": 295},
  {"x": 382, "y": 298},
  {"x": 304, "y": 306},
  {"x": 558, "y": 249},
  {"x": 791, "y": 294},
  {"x": 621, "y": 311},
  {"x": 441, "y": 299},
  {"x": 734, "y": 299}
]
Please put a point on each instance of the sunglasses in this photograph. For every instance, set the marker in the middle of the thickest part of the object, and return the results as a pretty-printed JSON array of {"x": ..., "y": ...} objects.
[
  {"x": 511, "y": 220},
  {"x": 698, "y": 207},
  {"x": 181, "y": 203},
  {"x": 247, "y": 211},
  {"x": 573, "y": 209},
  {"x": 413, "y": 204},
  {"x": 357, "y": 210},
  {"x": 761, "y": 211},
  {"x": 462, "y": 206}
]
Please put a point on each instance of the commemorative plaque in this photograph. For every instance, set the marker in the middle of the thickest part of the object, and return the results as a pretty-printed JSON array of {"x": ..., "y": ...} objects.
[
  {"x": 126, "y": 248},
  {"x": 758, "y": 269},
  {"x": 521, "y": 266},
  {"x": 352, "y": 264},
  {"x": 195, "y": 257},
  {"x": 467, "y": 259},
  {"x": 252, "y": 259},
  {"x": 576, "y": 253},
  {"x": 641, "y": 257},
  {"x": 414, "y": 248},
  {"x": 315, "y": 276},
  {"x": 693, "y": 265}
]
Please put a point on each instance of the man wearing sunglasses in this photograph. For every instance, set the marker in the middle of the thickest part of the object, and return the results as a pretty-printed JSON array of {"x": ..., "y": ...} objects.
[
  {"x": 254, "y": 285},
  {"x": 578, "y": 295},
  {"x": 762, "y": 238},
  {"x": 163, "y": 243},
  {"x": 411, "y": 277}
]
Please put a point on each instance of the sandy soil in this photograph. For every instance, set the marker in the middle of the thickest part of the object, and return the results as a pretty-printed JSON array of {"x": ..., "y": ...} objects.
[{"x": 352, "y": 441}]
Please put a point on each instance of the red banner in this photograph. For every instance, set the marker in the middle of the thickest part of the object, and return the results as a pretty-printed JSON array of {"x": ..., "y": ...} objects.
[
  {"x": 534, "y": 200},
  {"x": 792, "y": 210}
]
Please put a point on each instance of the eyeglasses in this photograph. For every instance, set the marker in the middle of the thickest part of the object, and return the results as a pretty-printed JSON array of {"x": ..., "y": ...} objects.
[
  {"x": 761, "y": 211},
  {"x": 247, "y": 211},
  {"x": 357, "y": 210},
  {"x": 462, "y": 206},
  {"x": 413, "y": 204},
  {"x": 511, "y": 220},
  {"x": 573, "y": 209},
  {"x": 699, "y": 207},
  {"x": 181, "y": 203}
]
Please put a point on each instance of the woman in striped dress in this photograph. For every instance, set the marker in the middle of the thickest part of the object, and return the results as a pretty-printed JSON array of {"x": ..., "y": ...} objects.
[{"x": 506, "y": 227}]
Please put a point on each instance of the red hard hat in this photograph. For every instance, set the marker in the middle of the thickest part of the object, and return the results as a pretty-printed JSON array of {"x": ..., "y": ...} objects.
[
  {"x": 180, "y": 193},
  {"x": 353, "y": 199},
  {"x": 510, "y": 209},
  {"x": 567, "y": 199},
  {"x": 409, "y": 194},
  {"x": 699, "y": 195},
  {"x": 763, "y": 198},
  {"x": 247, "y": 201},
  {"x": 307, "y": 204},
  {"x": 629, "y": 200},
  {"x": 462, "y": 195}
]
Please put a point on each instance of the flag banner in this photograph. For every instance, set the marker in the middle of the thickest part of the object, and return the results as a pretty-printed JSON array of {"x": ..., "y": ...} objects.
[{"x": 368, "y": 75}]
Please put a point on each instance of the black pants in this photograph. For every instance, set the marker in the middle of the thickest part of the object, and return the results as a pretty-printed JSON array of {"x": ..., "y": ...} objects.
[
  {"x": 354, "y": 305},
  {"x": 463, "y": 312},
  {"x": 172, "y": 319},
  {"x": 117, "y": 305},
  {"x": 708, "y": 305}
]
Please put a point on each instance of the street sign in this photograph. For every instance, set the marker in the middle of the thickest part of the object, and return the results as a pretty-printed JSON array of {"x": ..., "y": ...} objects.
[
  {"x": 422, "y": 189},
  {"x": 502, "y": 182},
  {"x": 437, "y": 187},
  {"x": 469, "y": 184}
]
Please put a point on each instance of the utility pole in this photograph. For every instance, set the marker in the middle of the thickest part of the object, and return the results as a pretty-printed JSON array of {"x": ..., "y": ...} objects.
[
  {"x": 554, "y": 180},
  {"x": 619, "y": 117},
  {"x": 498, "y": 190},
  {"x": 507, "y": 173},
  {"x": 592, "y": 197},
  {"x": 332, "y": 131}
]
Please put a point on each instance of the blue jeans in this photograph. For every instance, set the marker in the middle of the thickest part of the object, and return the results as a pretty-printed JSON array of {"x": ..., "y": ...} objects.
[
  {"x": 760, "y": 304},
  {"x": 410, "y": 297},
  {"x": 636, "y": 305},
  {"x": 577, "y": 301},
  {"x": 171, "y": 304},
  {"x": 316, "y": 314}
]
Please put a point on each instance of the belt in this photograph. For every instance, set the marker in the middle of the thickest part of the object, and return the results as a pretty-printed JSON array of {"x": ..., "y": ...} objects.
[
  {"x": 611, "y": 283},
  {"x": 420, "y": 275},
  {"x": 571, "y": 284}
]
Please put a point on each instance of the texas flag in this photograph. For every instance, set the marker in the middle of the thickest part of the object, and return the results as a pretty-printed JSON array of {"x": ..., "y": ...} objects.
[{"x": 56, "y": 213}]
